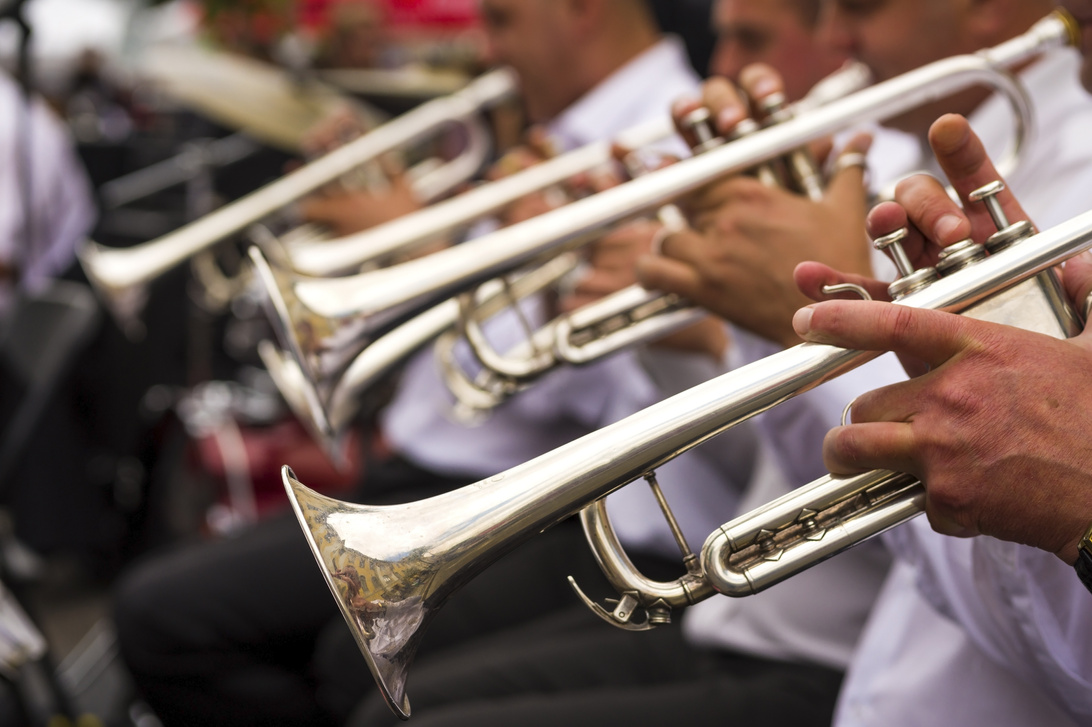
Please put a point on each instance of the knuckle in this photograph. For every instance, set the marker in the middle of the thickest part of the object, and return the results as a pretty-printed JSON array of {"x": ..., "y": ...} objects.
[{"x": 903, "y": 323}]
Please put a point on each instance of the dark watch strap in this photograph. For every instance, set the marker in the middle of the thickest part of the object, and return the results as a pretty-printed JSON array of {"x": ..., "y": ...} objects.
[
  {"x": 1083, "y": 565},
  {"x": 1084, "y": 568}
]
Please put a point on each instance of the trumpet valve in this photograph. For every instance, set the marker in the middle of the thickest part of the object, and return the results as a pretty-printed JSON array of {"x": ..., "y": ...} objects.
[
  {"x": 909, "y": 279},
  {"x": 700, "y": 123},
  {"x": 1007, "y": 233},
  {"x": 959, "y": 255}
]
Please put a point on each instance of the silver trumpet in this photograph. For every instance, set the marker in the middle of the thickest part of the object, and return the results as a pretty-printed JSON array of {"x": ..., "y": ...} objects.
[
  {"x": 437, "y": 222},
  {"x": 370, "y": 300},
  {"x": 120, "y": 275},
  {"x": 390, "y": 568},
  {"x": 327, "y": 400}
]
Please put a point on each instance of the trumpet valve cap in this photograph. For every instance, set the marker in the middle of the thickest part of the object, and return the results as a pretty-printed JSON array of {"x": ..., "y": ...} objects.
[
  {"x": 989, "y": 190},
  {"x": 775, "y": 106},
  {"x": 700, "y": 123},
  {"x": 893, "y": 242},
  {"x": 988, "y": 196},
  {"x": 959, "y": 255}
]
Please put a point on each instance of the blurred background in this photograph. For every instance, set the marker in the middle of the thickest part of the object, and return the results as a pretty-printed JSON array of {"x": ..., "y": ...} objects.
[{"x": 118, "y": 437}]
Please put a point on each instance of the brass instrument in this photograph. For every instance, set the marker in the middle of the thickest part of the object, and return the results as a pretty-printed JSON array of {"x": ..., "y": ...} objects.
[
  {"x": 390, "y": 568},
  {"x": 370, "y": 300},
  {"x": 314, "y": 314},
  {"x": 119, "y": 275},
  {"x": 406, "y": 234},
  {"x": 327, "y": 399}
]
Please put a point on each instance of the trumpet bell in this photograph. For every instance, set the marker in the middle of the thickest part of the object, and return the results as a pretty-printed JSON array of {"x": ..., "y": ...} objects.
[
  {"x": 390, "y": 568},
  {"x": 384, "y": 586},
  {"x": 306, "y": 401}
]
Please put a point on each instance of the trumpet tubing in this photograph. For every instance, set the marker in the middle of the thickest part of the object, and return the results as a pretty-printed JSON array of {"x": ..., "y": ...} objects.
[
  {"x": 421, "y": 282},
  {"x": 410, "y": 232},
  {"x": 629, "y": 317},
  {"x": 397, "y": 563},
  {"x": 115, "y": 273}
]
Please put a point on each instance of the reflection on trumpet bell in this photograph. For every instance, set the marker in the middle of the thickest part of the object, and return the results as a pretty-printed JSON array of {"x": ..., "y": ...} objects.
[{"x": 382, "y": 584}]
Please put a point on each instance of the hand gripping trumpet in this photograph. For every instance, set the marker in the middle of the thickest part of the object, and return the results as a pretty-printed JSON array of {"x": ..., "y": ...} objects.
[
  {"x": 627, "y": 318},
  {"x": 120, "y": 274},
  {"x": 368, "y": 302},
  {"x": 328, "y": 401},
  {"x": 391, "y": 568}
]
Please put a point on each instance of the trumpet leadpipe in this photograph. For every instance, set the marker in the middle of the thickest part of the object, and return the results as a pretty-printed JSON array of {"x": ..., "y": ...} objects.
[{"x": 436, "y": 222}]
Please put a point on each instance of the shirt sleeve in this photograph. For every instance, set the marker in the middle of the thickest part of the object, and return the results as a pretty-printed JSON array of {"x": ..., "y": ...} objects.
[{"x": 1022, "y": 607}]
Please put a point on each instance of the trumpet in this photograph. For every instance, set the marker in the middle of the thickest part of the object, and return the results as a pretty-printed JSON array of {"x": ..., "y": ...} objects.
[
  {"x": 390, "y": 568},
  {"x": 406, "y": 234},
  {"x": 370, "y": 300},
  {"x": 573, "y": 344},
  {"x": 120, "y": 275},
  {"x": 327, "y": 401}
]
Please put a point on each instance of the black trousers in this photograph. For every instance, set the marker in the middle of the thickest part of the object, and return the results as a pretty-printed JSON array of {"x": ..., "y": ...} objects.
[
  {"x": 244, "y": 630},
  {"x": 567, "y": 670}
]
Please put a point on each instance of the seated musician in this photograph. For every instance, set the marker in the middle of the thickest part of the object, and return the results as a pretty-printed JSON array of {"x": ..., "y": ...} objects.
[
  {"x": 966, "y": 631},
  {"x": 227, "y": 631},
  {"x": 528, "y": 680}
]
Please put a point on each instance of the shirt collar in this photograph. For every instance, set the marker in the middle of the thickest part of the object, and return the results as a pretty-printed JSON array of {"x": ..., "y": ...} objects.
[{"x": 612, "y": 103}]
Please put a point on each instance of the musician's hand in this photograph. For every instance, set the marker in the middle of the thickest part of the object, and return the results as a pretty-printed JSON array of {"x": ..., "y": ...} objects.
[
  {"x": 994, "y": 422},
  {"x": 347, "y": 211},
  {"x": 739, "y": 262},
  {"x": 332, "y": 131},
  {"x": 612, "y": 263},
  {"x": 997, "y": 428},
  {"x": 923, "y": 206}
]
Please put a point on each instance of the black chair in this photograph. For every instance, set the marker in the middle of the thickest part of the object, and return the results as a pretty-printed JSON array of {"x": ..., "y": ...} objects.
[{"x": 39, "y": 344}]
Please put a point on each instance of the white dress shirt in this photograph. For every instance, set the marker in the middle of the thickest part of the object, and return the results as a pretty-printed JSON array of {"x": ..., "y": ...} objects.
[
  {"x": 570, "y": 402},
  {"x": 994, "y": 633},
  {"x": 816, "y": 616},
  {"x": 59, "y": 196}
]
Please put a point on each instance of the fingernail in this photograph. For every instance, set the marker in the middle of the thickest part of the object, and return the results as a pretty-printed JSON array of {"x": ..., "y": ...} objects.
[
  {"x": 946, "y": 227},
  {"x": 765, "y": 87},
  {"x": 728, "y": 118},
  {"x": 801, "y": 322},
  {"x": 679, "y": 107}
]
